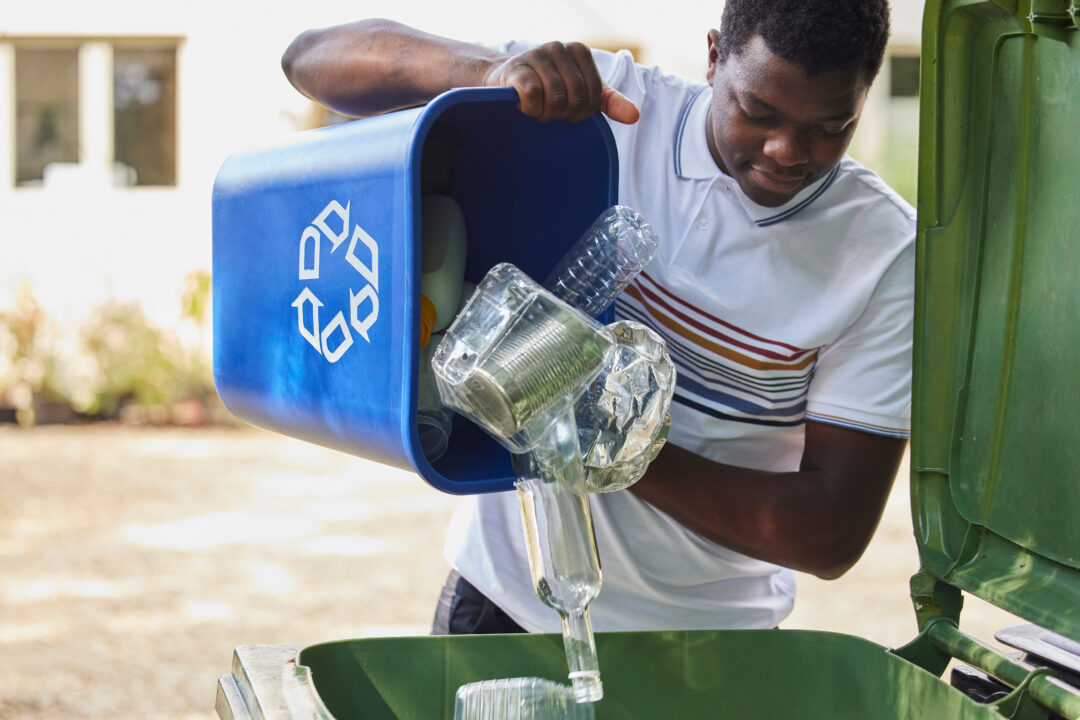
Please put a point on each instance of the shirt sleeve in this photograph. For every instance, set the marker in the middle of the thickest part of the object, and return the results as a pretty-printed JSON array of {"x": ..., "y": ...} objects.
[{"x": 863, "y": 380}]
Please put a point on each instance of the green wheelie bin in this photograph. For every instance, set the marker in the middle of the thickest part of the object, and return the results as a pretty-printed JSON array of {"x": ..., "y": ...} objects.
[{"x": 995, "y": 449}]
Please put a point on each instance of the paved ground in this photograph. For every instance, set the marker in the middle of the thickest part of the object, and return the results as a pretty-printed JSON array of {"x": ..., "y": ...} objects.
[{"x": 133, "y": 561}]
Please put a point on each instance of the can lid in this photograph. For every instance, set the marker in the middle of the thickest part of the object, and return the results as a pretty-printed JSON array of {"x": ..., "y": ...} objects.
[
  {"x": 995, "y": 451},
  {"x": 428, "y": 316}
]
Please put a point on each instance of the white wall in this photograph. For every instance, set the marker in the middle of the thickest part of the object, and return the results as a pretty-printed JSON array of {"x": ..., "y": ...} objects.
[{"x": 81, "y": 243}]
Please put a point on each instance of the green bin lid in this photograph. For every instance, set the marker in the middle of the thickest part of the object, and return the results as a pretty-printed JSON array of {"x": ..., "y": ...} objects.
[{"x": 995, "y": 451}]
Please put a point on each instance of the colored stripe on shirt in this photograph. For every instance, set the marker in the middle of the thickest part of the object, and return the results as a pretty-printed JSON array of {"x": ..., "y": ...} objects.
[
  {"x": 864, "y": 427},
  {"x": 723, "y": 370}
]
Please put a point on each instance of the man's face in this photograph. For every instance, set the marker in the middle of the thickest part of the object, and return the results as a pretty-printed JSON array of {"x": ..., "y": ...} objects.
[{"x": 773, "y": 128}]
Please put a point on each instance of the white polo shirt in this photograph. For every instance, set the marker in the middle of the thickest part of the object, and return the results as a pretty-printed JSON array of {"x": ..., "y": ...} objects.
[{"x": 772, "y": 316}]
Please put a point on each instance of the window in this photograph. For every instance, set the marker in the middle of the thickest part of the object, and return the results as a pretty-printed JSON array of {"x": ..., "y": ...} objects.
[
  {"x": 46, "y": 110},
  {"x": 903, "y": 76},
  {"x": 107, "y": 104},
  {"x": 144, "y": 114}
]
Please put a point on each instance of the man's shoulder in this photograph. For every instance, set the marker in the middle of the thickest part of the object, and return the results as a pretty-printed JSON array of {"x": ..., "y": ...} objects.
[
  {"x": 622, "y": 72},
  {"x": 864, "y": 193}
]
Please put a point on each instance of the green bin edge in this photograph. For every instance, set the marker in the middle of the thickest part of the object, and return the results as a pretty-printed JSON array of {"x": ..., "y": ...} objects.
[{"x": 996, "y": 402}]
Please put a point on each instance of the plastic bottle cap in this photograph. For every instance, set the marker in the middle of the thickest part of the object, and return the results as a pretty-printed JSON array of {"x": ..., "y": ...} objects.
[{"x": 428, "y": 316}]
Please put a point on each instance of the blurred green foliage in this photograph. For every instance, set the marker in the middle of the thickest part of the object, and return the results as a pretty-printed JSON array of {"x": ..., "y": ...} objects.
[
  {"x": 195, "y": 297},
  {"x": 137, "y": 362},
  {"x": 897, "y": 159},
  {"x": 120, "y": 357},
  {"x": 29, "y": 363},
  {"x": 901, "y": 157}
]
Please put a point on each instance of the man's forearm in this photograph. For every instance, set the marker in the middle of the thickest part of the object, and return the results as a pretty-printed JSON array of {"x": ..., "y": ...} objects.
[
  {"x": 770, "y": 516},
  {"x": 818, "y": 519},
  {"x": 375, "y": 66}
]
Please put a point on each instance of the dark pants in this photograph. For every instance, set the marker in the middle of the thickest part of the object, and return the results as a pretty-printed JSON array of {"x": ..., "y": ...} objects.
[{"x": 464, "y": 610}]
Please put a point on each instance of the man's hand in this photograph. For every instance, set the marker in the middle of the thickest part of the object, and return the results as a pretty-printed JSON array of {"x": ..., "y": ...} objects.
[{"x": 560, "y": 82}]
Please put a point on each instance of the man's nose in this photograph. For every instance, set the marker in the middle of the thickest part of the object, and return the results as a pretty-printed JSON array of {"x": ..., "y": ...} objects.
[{"x": 787, "y": 147}]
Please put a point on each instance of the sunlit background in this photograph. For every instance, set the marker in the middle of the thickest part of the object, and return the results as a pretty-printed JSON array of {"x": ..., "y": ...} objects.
[
  {"x": 115, "y": 116},
  {"x": 143, "y": 533}
]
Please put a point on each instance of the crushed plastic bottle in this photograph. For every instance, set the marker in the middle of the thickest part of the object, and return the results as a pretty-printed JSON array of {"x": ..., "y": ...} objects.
[
  {"x": 519, "y": 699},
  {"x": 622, "y": 418}
]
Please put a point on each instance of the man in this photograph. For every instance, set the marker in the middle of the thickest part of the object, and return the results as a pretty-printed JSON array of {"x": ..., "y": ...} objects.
[{"x": 783, "y": 286}]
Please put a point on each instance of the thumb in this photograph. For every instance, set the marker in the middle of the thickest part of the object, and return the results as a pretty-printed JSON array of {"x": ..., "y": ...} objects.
[{"x": 618, "y": 107}]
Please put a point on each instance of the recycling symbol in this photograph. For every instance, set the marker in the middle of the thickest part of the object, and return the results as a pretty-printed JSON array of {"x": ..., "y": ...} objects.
[{"x": 335, "y": 338}]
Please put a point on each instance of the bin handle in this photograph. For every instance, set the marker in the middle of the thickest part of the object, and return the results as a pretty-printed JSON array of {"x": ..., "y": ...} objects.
[
  {"x": 298, "y": 689},
  {"x": 1041, "y": 684}
]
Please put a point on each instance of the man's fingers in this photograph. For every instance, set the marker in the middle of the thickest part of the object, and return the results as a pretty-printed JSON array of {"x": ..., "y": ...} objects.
[
  {"x": 589, "y": 97},
  {"x": 530, "y": 88},
  {"x": 562, "y": 82},
  {"x": 618, "y": 107},
  {"x": 552, "y": 64}
]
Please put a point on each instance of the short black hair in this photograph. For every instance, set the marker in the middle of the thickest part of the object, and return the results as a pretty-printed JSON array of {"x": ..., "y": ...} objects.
[{"x": 818, "y": 35}]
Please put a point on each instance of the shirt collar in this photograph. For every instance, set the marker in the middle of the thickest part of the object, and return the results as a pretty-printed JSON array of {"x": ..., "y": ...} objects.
[
  {"x": 763, "y": 216},
  {"x": 694, "y": 160},
  {"x": 692, "y": 156}
]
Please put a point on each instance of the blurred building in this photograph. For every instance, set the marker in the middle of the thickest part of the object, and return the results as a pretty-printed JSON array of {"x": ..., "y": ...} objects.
[{"x": 115, "y": 115}]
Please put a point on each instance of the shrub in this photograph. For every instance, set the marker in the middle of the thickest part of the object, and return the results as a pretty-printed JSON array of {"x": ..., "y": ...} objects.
[
  {"x": 30, "y": 367},
  {"x": 137, "y": 362}
]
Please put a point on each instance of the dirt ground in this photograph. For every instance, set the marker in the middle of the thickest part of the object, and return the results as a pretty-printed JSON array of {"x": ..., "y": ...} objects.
[{"x": 132, "y": 562}]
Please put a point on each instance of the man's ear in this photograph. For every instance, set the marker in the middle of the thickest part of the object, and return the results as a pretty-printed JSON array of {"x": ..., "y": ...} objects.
[{"x": 713, "y": 39}]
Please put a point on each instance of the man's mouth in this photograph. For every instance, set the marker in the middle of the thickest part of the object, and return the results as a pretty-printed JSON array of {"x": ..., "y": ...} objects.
[{"x": 777, "y": 183}]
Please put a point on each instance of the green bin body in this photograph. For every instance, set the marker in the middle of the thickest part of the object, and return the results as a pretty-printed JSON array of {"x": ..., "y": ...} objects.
[
  {"x": 995, "y": 451},
  {"x": 700, "y": 674}
]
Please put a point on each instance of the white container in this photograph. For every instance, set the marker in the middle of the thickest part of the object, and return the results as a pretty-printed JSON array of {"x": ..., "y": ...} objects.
[{"x": 442, "y": 256}]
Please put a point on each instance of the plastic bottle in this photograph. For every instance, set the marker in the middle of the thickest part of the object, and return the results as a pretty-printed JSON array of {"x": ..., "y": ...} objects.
[
  {"x": 433, "y": 419},
  {"x": 561, "y": 543},
  {"x": 526, "y": 698},
  {"x": 467, "y": 290},
  {"x": 599, "y": 266}
]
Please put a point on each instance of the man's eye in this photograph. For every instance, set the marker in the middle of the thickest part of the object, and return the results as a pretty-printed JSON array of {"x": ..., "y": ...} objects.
[
  {"x": 753, "y": 118},
  {"x": 832, "y": 130}
]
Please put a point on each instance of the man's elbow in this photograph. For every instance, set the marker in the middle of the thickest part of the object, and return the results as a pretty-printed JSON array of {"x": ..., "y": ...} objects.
[
  {"x": 293, "y": 56},
  {"x": 833, "y": 559},
  {"x": 833, "y": 571}
]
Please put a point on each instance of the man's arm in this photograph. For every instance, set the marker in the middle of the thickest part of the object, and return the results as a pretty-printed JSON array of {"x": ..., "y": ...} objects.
[
  {"x": 375, "y": 66},
  {"x": 817, "y": 520}
]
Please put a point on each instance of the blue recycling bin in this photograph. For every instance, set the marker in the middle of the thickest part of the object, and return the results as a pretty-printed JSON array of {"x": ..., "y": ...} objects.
[{"x": 316, "y": 264}]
